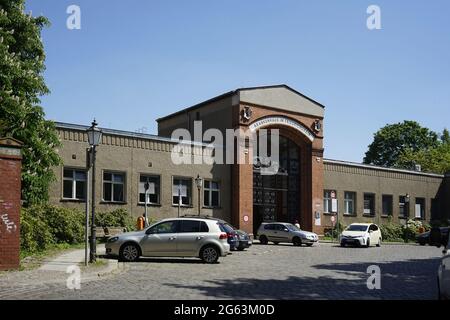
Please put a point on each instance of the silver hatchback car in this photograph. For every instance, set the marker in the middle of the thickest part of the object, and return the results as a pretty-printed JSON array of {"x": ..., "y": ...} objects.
[
  {"x": 277, "y": 232},
  {"x": 176, "y": 237}
]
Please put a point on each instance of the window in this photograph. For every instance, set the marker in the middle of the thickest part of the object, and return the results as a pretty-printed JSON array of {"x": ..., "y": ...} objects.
[
  {"x": 153, "y": 190},
  {"x": 193, "y": 226},
  {"x": 327, "y": 200},
  {"x": 349, "y": 202},
  {"x": 403, "y": 207},
  {"x": 165, "y": 227},
  {"x": 387, "y": 205},
  {"x": 182, "y": 187},
  {"x": 113, "y": 187},
  {"x": 420, "y": 208},
  {"x": 211, "y": 194},
  {"x": 74, "y": 184},
  {"x": 373, "y": 227},
  {"x": 369, "y": 204}
]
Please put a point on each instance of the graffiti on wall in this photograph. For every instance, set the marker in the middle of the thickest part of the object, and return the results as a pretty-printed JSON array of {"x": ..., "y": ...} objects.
[{"x": 10, "y": 226}]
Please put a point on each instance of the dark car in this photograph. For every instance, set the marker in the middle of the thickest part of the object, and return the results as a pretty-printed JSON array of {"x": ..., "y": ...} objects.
[
  {"x": 424, "y": 238},
  {"x": 244, "y": 240},
  {"x": 231, "y": 233}
]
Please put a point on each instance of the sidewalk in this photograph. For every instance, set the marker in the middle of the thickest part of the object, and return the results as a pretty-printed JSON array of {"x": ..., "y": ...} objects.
[{"x": 53, "y": 273}]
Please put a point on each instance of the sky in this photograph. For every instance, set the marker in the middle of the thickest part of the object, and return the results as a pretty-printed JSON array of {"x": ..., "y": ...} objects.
[{"x": 135, "y": 61}]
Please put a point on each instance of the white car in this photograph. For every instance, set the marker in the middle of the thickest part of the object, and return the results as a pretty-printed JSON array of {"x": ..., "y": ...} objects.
[
  {"x": 444, "y": 275},
  {"x": 361, "y": 234}
]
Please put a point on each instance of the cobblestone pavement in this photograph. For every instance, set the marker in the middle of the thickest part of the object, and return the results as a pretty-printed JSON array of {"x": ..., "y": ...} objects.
[{"x": 324, "y": 271}]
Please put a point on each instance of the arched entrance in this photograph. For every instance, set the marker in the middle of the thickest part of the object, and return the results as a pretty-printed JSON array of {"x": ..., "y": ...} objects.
[{"x": 277, "y": 197}]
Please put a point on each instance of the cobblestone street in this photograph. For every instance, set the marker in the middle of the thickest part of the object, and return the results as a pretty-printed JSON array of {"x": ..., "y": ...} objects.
[{"x": 324, "y": 271}]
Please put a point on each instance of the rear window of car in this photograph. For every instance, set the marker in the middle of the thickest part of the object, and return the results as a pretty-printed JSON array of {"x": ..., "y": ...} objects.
[
  {"x": 225, "y": 227},
  {"x": 203, "y": 227},
  {"x": 193, "y": 226}
]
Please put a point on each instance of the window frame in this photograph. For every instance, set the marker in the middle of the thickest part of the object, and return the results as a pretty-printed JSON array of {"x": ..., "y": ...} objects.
[
  {"x": 159, "y": 189},
  {"x": 329, "y": 201},
  {"x": 74, "y": 184},
  {"x": 373, "y": 196},
  {"x": 391, "y": 213},
  {"x": 422, "y": 208},
  {"x": 190, "y": 196},
  {"x": 210, "y": 191},
  {"x": 124, "y": 183},
  {"x": 352, "y": 200}
]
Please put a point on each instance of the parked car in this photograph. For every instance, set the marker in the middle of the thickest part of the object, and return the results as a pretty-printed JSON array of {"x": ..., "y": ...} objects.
[
  {"x": 176, "y": 237},
  {"x": 424, "y": 238},
  {"x": 278, "y": 232},
  {"x": 361, "y": 234},
  {"x": 232, "y": 236},
  {"x": 244, "y": 240},
  {"x": 444, "y": 275}
]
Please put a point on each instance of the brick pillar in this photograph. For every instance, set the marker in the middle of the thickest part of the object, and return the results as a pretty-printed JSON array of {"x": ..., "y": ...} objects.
[{"x": 10, "y": 190}]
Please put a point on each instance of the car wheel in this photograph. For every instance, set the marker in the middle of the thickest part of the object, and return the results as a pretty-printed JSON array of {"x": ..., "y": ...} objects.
[
  {"x": 297, "y": 241},
  {"x": 275, "y": 242},
  {"x": 342, "y": 244},
  {"x": 368, "y": 243},
  {"x": 422, "y": 242},
  {"x": 263, "y": 240},
  {"x": 379, "y": 243},
  {"x": 209, "y": 254},
  {"x": 129, "y": 252},
  {"x": 241, "y": 249}
]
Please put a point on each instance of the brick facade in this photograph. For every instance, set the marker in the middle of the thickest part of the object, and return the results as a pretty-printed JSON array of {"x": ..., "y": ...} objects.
[{"x": 10, "y": 176}]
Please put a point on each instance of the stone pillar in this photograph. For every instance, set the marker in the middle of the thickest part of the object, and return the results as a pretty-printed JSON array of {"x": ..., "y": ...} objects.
[{"x": 10, "y": 190}]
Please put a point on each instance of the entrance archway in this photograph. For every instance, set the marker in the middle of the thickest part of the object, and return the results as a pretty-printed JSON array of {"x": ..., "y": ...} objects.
[{"x": 277, "y": 197}]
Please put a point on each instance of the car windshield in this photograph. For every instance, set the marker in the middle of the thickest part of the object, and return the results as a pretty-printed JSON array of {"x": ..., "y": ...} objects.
[
  {"x": 291, "y": 227},
  {"x": 357, "y": 227}
]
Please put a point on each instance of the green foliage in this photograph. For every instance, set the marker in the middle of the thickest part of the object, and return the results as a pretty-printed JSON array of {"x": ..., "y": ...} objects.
[
  {"x": 391, "y": 141},
  {"x": 116, "y": 218},
  {"x": 435, "y": 159},
  {"x": 406, "y": 233},
  {"x": 43, "y": 226},
  {"x": 21, "y": 85}
]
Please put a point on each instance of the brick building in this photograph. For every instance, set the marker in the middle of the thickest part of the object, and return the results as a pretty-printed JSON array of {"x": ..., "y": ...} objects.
[{"x": 302, "y": 189}]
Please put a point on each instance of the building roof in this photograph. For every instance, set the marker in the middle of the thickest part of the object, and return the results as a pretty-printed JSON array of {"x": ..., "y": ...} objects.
[
  {"x": 373, "y": 167},
  {"x": 233, "y": 92},
  {"x": 129, "y": 134}
]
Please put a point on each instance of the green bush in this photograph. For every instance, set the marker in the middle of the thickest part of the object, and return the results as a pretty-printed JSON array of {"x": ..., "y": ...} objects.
[
  {"x": 43, "y": 226},
  {"x": 35, "y": 235},
  {"x": 115, "y": 218}
]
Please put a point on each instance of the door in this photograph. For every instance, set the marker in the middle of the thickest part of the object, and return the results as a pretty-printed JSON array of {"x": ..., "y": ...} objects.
[
  {"x": 161, "y": 239},
  {"x": 191, "y": 237},
  {"x": 280, "y": 233},
  {"x": 374, "y": 235}
]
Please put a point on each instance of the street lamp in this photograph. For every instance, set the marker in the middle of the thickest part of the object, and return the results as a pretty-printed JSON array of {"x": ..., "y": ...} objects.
[
  {"x": 94, "y": 137},
  {"x": 199, "y": 183}
]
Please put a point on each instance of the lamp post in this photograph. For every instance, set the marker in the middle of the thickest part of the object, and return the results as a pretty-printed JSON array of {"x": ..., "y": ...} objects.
[
  {"x": 199, "y": 183},
  {"x": 407, "y": 197},
  {"x": 94, "y": 137}
]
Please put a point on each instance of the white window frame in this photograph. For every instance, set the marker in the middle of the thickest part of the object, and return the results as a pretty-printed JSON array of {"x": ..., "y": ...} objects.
[
  {"x": 210, "y": 191},
  {"x": 189, "y": 194},
  {"x": 327, "y": 201},
  {"x": 74, "y": 181},
  {"x": 348, "y": 200}
]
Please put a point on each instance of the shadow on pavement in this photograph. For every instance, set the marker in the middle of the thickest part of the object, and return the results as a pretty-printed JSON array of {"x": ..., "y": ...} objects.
[{"x": 400, "y": 280}]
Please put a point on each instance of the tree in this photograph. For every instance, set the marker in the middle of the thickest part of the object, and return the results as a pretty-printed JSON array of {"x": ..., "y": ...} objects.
[
  {"x": 435, "y": 159},
  {"x": 391, "y": 141},
  {"x": 21, "y": 86}
]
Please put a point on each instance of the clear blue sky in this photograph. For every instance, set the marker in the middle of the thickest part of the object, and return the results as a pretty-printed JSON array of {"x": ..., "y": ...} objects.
[{"x": 135, "y": 61}]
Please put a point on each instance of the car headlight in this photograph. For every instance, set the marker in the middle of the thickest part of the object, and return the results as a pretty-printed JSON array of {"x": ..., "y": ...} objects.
[{"x": 113, "y": 239}]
